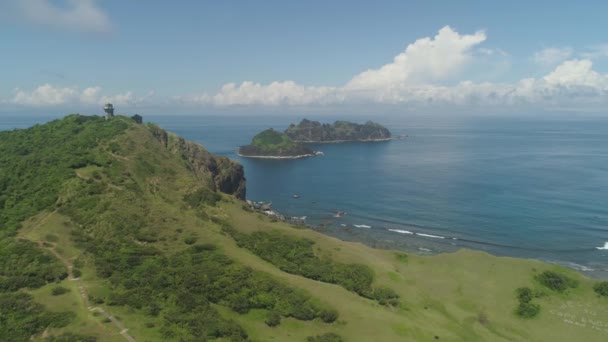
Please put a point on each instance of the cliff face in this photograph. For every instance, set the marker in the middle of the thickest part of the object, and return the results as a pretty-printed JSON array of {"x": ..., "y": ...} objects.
[
  {"x": 226, "y": 175},
  {"x": 314, "y": 131}
]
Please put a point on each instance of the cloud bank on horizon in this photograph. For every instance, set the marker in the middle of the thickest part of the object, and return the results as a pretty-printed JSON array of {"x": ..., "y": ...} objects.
[{"x": 425, "y": 74}]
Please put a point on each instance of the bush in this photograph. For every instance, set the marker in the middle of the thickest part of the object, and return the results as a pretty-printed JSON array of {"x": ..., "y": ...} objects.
[
  {"x": 273, "y": 319},
  {"x": 329, "y": 315},
  {"x": 386, "y": 296},
  {"x": 71, "y": 337},
  {"x": 524, "y": 295},
  {"x": 190, "y": 240},
  {"x": 76, "y": 273},
  {"x": 601, "y": 288},
  {"x": 528, "y": 310},
  {"x": 555, "y": 281},
  {"x": 59, "y": 290}
]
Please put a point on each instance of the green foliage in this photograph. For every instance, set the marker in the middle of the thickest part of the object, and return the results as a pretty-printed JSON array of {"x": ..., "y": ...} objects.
[
  {"x": 59, "y": 290},
  {"x": 23, "y": 264},
  {"x": 556, "y": 281},
  {"x": 20, "y": 317},
  {"x": 296, "y": 256},
  {"x": 35, "y": 162},
  {"x": 524, "y": 294},
  {"x": 308, "y": 130},
  {"x": 202, "y": 197},
  {"x": 185, "y": 286},
  {"x": 190, "y": 240},
  {"x": 273, "y": 143},
  {"x": 329, "y": 316},
  {"x": 601, "y": 288},
  {"x": 527, "y": 310},
  {"x": 273, "y": 318},
  {"x": 327, "y": 337},
  {"x": 386, "y": 296}
]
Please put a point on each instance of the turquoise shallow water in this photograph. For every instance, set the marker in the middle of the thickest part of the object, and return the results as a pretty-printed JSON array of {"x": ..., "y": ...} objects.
[{"x": 535, "y": 188}]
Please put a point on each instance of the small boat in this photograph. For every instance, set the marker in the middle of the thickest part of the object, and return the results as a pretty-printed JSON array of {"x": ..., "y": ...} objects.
[{"x": 296, "y": 196}]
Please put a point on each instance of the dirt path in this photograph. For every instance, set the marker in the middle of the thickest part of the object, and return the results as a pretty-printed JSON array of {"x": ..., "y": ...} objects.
[{"x": 83, "y": 291}]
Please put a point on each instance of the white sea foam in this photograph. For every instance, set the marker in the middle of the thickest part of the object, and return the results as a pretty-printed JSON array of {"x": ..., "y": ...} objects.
[
  {"x": 361, "y": 226},
  {"x": 424, "y": 249},
  {"x": 401, "y": 231},
  {"x": 431, "y": 236},
  {"x": 604, "y": 247}
]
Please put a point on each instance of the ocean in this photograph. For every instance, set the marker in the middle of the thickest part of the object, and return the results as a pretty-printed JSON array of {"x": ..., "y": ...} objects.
[{"x": 512, "y": 186}]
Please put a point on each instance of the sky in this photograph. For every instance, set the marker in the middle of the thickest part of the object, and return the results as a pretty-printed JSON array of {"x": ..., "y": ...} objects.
[{"x": 201, "y": 57}]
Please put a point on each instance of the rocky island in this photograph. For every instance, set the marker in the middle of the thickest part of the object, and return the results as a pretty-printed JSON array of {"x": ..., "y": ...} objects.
[
  {"x": 272, "y": 144},
  {"x": 340, "y": 131}
]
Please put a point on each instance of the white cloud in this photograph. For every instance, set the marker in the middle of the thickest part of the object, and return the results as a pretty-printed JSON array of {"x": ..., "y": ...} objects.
[
  {"x": 425, "y": 60},
  {"x": 550, "y": 57},
  {"x": 48, "y": 95},
  {"x": 44, "y": 95},
  {"x": 80, "y": 15}
]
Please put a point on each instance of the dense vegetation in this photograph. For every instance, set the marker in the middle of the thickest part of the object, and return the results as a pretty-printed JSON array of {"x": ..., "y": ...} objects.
[
  {"x": 526, "y": 309},
  {"x": 21, "y": 317},
  {"x": 556, "y": 281},
  {"x": 34, "y": 163},
  {"x": 24, "y": 265},
  {"x": 601, "y": 288},
  {"x": 296, "y": 256},
  {"x": 314, "y": 131},
  {"x": 273, "y": 143}
]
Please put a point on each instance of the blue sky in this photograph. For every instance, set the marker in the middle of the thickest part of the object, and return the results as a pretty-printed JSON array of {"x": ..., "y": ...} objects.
[{"x": 193, "y": 56}]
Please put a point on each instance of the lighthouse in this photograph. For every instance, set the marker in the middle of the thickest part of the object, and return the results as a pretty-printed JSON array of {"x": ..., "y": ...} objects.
[{"x": 109, "y": 109}]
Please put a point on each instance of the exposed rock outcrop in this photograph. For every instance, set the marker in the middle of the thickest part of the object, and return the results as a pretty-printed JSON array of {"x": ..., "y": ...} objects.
[{"x": 226, "y": 175}]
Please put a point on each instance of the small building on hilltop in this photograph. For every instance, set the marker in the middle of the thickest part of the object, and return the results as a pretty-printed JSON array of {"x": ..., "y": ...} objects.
[
  {"x": 138, "y": 119},
  {"x": 109, "y": 109}
]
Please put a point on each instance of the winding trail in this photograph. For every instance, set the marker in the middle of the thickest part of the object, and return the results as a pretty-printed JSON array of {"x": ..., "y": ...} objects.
[{"x": 83, "y": 291}]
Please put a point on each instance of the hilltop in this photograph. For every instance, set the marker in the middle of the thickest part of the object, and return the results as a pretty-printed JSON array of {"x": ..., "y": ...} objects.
[
  {"x": 339, "y": 131},
  {"x": 114, "y": 230},
  {"x": 273, "y": 144}
]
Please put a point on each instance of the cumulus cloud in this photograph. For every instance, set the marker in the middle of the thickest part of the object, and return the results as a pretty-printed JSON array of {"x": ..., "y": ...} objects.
[
  {"x": 550, "y": 57},
  {"x": 425, "y": 60},
  {"x": 48, "y": 95},
  {"x": 80, "y": 15}
]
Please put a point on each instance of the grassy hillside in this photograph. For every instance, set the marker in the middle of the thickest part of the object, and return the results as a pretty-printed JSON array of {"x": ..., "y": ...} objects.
[{"x": 112, "y": 231}]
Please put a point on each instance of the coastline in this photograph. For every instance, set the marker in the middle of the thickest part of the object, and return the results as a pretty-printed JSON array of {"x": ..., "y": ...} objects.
[
  {"x": 347, "y": 141},
  {"x": 277, "y": 157}
]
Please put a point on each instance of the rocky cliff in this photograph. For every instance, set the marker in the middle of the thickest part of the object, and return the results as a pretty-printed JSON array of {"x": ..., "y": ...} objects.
[{"x": 227, "y": 176}]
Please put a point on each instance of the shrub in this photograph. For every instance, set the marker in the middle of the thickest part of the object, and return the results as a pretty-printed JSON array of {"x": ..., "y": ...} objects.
[
  {"x": 273, "y": 319},
  {"x": 329, "y": 315},
  {"x": 527, "y": 310},
  {"x": 190, "y": 240},
  {"x": 524, "y": 294},
  {"x": 601, "y": 288},
  {"x": 77, "y": 273},
  {"x": 59, "y": 290},
  {"x": 386, "y": 296},
  {"x": 555, "y": 281}
]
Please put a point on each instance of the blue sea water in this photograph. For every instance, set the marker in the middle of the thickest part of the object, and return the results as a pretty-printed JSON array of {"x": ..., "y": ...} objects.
[{"x": 515, "y": 186}]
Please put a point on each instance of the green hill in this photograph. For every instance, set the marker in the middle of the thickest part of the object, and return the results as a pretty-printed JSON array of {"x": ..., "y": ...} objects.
[
  {"x": 339, "y": 131},
  {"x": 113, "y": 230},
  {"x": 270, "y": 143}
]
